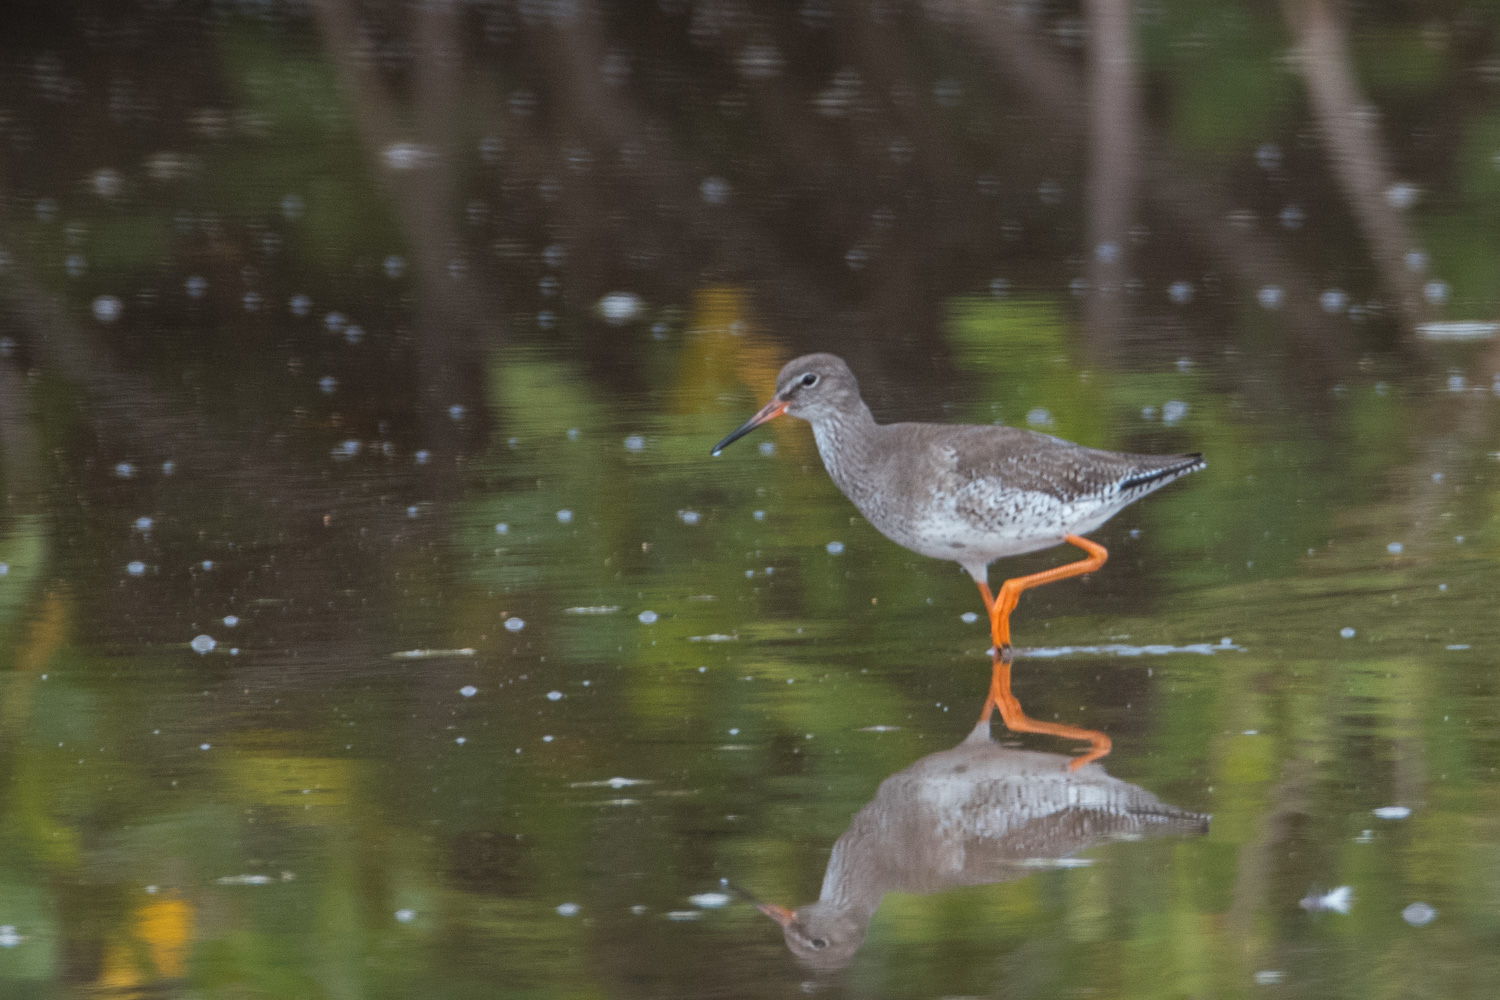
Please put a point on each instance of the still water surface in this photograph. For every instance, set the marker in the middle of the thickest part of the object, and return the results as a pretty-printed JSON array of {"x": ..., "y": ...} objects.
[{"x": 374, "y": 622}]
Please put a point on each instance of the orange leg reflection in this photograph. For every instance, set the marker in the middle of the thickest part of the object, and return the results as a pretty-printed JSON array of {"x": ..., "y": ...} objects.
[
  {"x": 1010, "y": 591},
  {"x": 1017, "y": 721}
]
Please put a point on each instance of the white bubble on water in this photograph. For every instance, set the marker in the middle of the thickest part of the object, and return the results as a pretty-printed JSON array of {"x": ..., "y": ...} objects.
[
  {"x": 251, "y": 301},
  {"x": 76, "y": 265},
  {"x": 714, "y": 190},
  {"x": 457, "y": 411},
  {"x": 1436, "y": 292},
  {"x": 565, "y": 516},
  {"x": 567, "y": 909},
  {"x": 1268, "y": 156},
  {"x": 619, "y": 308},
  {"x": 407, "y": 155},
  {"x": 1394, "y": 548},
  {"x": 502, "y": 528},
  {"x": 107, "y": 182},
  {"x": 422, "y": 457},
  {"x": 203, "y": 644},
  {"x": 207, "y": 564},
  {"x": 107, "y": 308},
  {"x": 300, "y": 305},
  {"x": 1180, "y": 292},
  {"x": 345, "y": 450},
  {"x": 834, "y": 548},
  {"x": 335, "y": 321},
  {"x": 710, "y": 900},
  {"x": 406, "y": 916},
  {"x": 4, "y": 568},
  {"x": 1173, "y": 411},
  {"x": 968, "y": 618},
  {"x": 1292, "y": 217},
  {"x": 554, "y": 695},
  {"x": 135, "y": 568},
  {"x": 167, "y": 468},
  {"x": 292, "y": 206},
  {"x": 1392, "y": 812},
  {"x": 1270, "y": 297},
  {"x": 1419, "y": 914},
  {"x": 468, "y": 690},
  {"x": 514, "y": 624},
  {"x": 768, "y": 448},
  {"x": 689, "y": 516},
  {"x": 1347, "y": 632},
  {"x": 635, "y": 443},
  {"x": 394, "y": 266},
  {"x": 328, "y": 384},
  {"x": 1269, "y": 977},
  {"x": 143, "y": 524},
  {"x": 354, "y": 333},
  {"x": 1333, "y": 301},
  {"x": 1402, "y": 195},
  {"x": 759, "y": 515},
  {"x": 1416, "y": 260},
  {"x": 230, "y": 621},
  {"x": 760, "y": 60},
  {"x": 1039, "y": 417},
  {"x": 646, "y": 617}
]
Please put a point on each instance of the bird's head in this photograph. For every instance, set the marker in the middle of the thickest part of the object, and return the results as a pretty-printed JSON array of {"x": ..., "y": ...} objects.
[
  {"x": 821, "y": 935},
  {"x": 810, "y": 387}
]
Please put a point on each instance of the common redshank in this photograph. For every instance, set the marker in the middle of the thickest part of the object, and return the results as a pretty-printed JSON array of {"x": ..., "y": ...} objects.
[
  {"x": 977, "y": 814},
  {"x": 970, "y": 493}
]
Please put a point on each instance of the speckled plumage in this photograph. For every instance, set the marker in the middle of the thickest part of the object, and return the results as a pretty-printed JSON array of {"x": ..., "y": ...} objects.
[{"x": 969, "y": 493}]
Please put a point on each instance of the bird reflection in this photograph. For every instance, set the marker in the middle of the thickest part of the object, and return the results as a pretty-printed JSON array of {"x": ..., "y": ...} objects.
[
  {"x": 1017, "y": 721},
  {"x": 977, "y": 814}
]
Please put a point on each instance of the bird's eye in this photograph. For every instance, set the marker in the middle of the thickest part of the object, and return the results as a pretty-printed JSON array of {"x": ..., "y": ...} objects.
[
  {"x": 818, "y": 943},
  {"x": 810, "y": 379}
]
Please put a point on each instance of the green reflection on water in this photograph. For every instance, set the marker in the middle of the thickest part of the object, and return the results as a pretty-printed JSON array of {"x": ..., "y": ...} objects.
[{"x": 300, "y": 818}]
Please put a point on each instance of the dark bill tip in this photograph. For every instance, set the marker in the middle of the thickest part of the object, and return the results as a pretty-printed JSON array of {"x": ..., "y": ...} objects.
[{"x": 770, "y": 411}]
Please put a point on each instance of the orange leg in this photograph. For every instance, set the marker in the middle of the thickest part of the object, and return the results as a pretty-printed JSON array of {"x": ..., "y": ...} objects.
[
  {"x": 1017, "y": 721},
  {"x": 1010, "y": 591}
]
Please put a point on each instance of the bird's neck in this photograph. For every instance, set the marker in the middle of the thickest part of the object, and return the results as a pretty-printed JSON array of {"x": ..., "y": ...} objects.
[
  {"x": 854, "y": 882},
  {"x": 846, "y": 442}
]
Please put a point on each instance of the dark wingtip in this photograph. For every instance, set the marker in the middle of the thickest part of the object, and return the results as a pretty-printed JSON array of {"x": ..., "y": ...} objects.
[{"x": 1189, "y": 463}]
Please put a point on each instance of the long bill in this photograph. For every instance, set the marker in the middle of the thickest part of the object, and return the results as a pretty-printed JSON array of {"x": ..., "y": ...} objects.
[
  {"x": 770, "y": 411},
  {"x": 780, "y": 914}
]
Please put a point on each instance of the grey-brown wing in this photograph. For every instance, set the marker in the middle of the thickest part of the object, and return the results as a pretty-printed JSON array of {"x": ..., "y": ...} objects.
[{"x": 1007, "y": 459}]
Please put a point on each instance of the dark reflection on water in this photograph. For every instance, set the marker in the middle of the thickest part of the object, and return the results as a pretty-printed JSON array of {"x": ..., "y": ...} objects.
[{"x": 372, "y": 619}]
